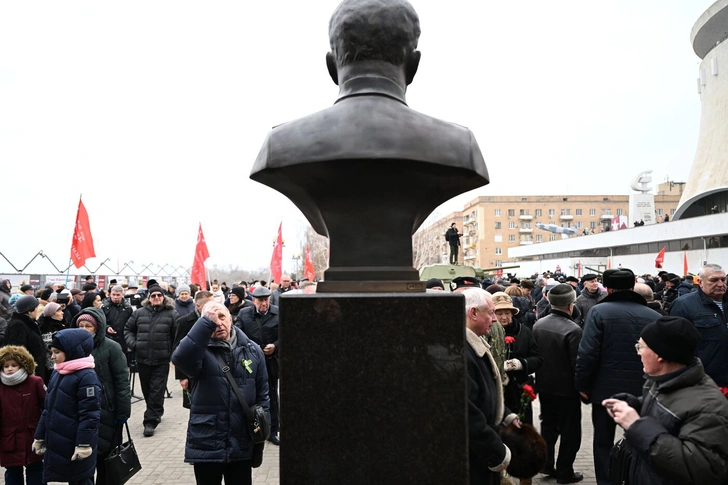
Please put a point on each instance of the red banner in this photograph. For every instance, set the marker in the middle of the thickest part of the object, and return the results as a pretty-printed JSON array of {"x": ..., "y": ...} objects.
[
  {"x": 82, "y": 246},
  {"x": 660, "y": 259},
  {"x": 685, "y": 264},
  {"x": 197, "y": 275},
  {"x": 308, "y": 269},
  {"x": 276, "y": 260}
]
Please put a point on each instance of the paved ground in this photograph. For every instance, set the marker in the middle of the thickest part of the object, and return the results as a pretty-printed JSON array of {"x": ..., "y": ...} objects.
[{"x": 162, "y": 455}]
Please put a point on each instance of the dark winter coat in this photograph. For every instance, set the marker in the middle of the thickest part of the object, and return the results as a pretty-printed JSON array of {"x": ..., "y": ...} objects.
[
  {"x": 263, "y": 330},
  {"x": 275, "y": 297},
  {"x": 485, "y": 413},
  {"x": 116, "y": 317},
  {"x": 684, "y": 288},
  {"x": 526, "y": 314},
  {"x": 217, "y": 431},
  {"x": 537, "y": 294},
  {"x": 6, "y": 310},
  {"x": 184, "y": 325},
  {"x": 113, "y": 374},
  {"x": 150, "y": 332},
  {"x": 20, "y": 409},
  {"x": 71, "y": 414},
  {"x": 557, "y": 337},
  {"x": 712, "y": 323},
  {"x": 585, "y": 302},
  {"x": 607, "y": 362},
  {"x": 24, "y": 331},
  {"x": 184, "y": 307},
  {"x": 525, "y": 350},
  {"x": 681, "y": 437},
  {"x": 48, "y": 328}
]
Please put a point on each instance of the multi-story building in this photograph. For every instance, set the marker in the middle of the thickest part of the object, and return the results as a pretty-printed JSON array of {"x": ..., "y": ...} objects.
[{"x": 492, "y": 224}]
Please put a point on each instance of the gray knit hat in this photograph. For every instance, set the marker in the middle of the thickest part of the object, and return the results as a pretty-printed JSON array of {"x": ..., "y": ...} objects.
[
  {"x": 181, "y": 288},
  {"x": 562, "y": 295}
]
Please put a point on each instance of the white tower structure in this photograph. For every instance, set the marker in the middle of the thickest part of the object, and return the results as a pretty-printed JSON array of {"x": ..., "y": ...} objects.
[{"x": 706, "y": 190}]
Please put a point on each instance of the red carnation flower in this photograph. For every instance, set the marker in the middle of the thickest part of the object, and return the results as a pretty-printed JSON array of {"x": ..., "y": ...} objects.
[{"x": 510, "y": 340}]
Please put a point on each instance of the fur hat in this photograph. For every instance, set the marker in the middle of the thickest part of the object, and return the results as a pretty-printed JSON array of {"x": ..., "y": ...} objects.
[
  {"x": 20, "y": 355},
  {"x": 502, "y": 301},
  {"x": 528, "y": 450},
  {"x": 51, "y": 309},
  {"x": 672, "y": 338},
  {"x": 619, "y": 279},
  {"x": 26, "y": 304},
  {"x": 562, "y": 295}
]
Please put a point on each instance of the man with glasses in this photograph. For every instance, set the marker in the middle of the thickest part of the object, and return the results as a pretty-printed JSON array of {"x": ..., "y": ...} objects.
[
  {"x": 150, "y": 333},
  {"x": 707, "y": 309},
  {"x": 606, "y": 362}
]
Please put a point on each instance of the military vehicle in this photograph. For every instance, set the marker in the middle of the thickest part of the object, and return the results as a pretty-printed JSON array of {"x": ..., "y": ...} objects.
[{"x": 448, "y": 272}]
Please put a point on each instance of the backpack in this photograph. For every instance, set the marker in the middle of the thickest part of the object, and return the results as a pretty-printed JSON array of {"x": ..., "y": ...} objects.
[{"x": 447, "y": 235}]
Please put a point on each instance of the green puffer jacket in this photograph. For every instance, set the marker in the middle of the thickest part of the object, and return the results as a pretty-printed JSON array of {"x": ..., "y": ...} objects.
[
  {"x": 682, "y": 434},
  {"x": 113, "y": 374}
]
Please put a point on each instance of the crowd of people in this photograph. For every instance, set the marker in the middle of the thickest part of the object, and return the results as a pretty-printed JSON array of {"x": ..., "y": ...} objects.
[{"x": 649, "y": 354}]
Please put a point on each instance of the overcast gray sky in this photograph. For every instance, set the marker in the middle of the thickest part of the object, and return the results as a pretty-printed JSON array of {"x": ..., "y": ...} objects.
[{"x": 156, "y": 110}]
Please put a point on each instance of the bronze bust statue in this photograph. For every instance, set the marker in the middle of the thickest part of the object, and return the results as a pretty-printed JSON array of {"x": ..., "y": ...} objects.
[{"x": 367, "y": 171}]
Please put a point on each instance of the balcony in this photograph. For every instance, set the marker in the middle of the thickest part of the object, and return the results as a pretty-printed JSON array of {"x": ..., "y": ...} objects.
[
  {"x": 526, "y": 243},
  {"x": 468, "y": 258},
  {"x": 566, "y": 217},
  {"x": 605, "y": 217},
  {"x": 525, "y": 230},
  {"x": 525, "y": 217}
]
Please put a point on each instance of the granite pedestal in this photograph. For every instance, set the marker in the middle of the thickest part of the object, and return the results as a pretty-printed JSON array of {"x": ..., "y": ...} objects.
[{"x": 373, "y": 389}]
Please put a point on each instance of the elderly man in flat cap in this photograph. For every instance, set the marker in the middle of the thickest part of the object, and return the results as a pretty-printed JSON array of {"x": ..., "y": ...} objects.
[
  {"x": 260, "y": 324},
  {"x": 606, "y": 362},
  {"x": 590, "y": 296}
]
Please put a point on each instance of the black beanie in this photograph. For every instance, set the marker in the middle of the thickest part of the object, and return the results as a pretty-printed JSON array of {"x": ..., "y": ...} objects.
[
  {"x": 238, "y": 291},
  {"x": 672, "y": 338}
]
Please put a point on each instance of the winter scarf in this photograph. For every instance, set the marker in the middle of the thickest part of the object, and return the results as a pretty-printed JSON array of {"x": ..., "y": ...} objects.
[
  {"x": 72, "y": 366},
  {"x": 14, "y": 379}
]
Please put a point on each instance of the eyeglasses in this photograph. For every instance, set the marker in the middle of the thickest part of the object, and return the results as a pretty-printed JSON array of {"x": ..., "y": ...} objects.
[
  {"x": 638, "y": 347},
  {"x": 156, "y": 295}
]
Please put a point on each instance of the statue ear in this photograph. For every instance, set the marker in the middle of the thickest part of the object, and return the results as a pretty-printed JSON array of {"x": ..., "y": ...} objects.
[
  {"x": 331, "y": 66},
  {"x": 411, "y": 64}
]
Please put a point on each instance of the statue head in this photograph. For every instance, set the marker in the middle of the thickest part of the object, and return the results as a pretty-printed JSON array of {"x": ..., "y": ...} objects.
[{"x": 374, "y": 30}]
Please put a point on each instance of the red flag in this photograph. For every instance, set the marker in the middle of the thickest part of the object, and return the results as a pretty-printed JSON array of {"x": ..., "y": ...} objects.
[
  {"x": 660, "y": 259},
  {"x": 197, "y": 276},
  {"x": 308, "y": 269},
  {"x": 685, "y": 264},
  {"x": 276, "y": 261},
  {"x": 82, "y": 246}
]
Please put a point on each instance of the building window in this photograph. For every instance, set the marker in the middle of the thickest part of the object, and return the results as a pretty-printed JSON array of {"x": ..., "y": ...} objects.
[
  {"x": 552, "y": 212},
  {"x": 497, "y": 212},
  {"x": 552, "y": 237},
  {"x": 606, "y": 212},
  {"x": 619, "y": 212},
  {"x": 511, "y": 212},
  {"x": 511, "y": 238},
  {"x": 592, "y": 212},
  {"x": 498, "y": 238},
  {"x": 592, "y": 225},
  {"x": 525, "y": 212},
  {"x": 578, "y": 212},
  {"x": 497, "y": 225},
  {"x": 539, "y": 238},
  {"x": 565, "y": 212},
  {"x": 498, "y": 251},
  {"x": 659, "y": 212},
  {"x": 579, "y": 225},
  {"x": 538, "y": 212},
  {"x": 672, "y": 212},
  {"x": 525, "y": 225},
  {"x": 512, "y": 225}
]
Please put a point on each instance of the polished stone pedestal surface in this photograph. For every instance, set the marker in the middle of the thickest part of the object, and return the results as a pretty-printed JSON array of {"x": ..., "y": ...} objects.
[{"x": 373, "y": 389}]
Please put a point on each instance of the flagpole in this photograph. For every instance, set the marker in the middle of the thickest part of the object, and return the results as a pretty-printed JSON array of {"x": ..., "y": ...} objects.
[{"x": 68, "y": 271}]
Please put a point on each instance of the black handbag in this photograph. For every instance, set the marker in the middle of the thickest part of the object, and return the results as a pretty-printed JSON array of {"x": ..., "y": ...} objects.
[
  {"x": 258, "y": 423},
  {"x": 123, "y": 462},
  {"x": 619, "y": 461}
]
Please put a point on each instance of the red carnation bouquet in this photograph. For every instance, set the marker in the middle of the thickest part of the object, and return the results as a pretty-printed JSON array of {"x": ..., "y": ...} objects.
[{"x": 528, "y": 395}]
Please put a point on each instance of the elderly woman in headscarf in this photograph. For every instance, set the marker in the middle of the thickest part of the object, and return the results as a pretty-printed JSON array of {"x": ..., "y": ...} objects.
[{"x": 522, "y": 359}]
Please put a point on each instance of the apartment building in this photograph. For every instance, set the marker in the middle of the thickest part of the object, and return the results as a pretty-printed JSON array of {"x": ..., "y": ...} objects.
[{"x": 492, "y": 224}]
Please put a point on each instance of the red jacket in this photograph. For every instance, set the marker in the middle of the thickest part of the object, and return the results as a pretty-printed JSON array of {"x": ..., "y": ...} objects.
[{"x": 20, "y": 410}]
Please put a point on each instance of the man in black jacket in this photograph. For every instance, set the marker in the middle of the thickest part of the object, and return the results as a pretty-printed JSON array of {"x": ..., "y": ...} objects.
[
  {"x": 117, "y": 311},
  {"x": 558, "y": 339},
  {"x": 184, "y": 324},
  {"x": 606, "y": 363},
  {"x": 260, "y": 324},
  {"x": 453, "y": 239},
  {"x": 589, "y": 297},
  {"x": 150, "y": 332}
]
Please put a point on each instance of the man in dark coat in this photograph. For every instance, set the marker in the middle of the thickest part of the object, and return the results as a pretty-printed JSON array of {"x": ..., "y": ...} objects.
[
  {"x": 6, "y": 310},
  {"x": 589, "y": 297},
  {"x": 218, "y": 441},
  {"x": 23, "y": 330},
  {"x": 260, "y": 324},
  {"x": 117, "y": 311},
  {"x": 453, "y": 239},
  {"x": 149, "y": 333},
  {"x": 488, "y": 455},
  {"x": 707, "y": 308},
  {"x": 283, "y": 287},
  {"x": 558, "y": 337},
  {"x": 606, "y": 363}
]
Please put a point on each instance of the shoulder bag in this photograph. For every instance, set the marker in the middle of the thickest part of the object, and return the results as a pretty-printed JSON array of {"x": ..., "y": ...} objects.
[{"x": 123, "y": 462}]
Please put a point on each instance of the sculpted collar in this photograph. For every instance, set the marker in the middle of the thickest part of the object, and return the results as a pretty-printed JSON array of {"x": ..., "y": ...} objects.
[{"x": 371, "y": 84}]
